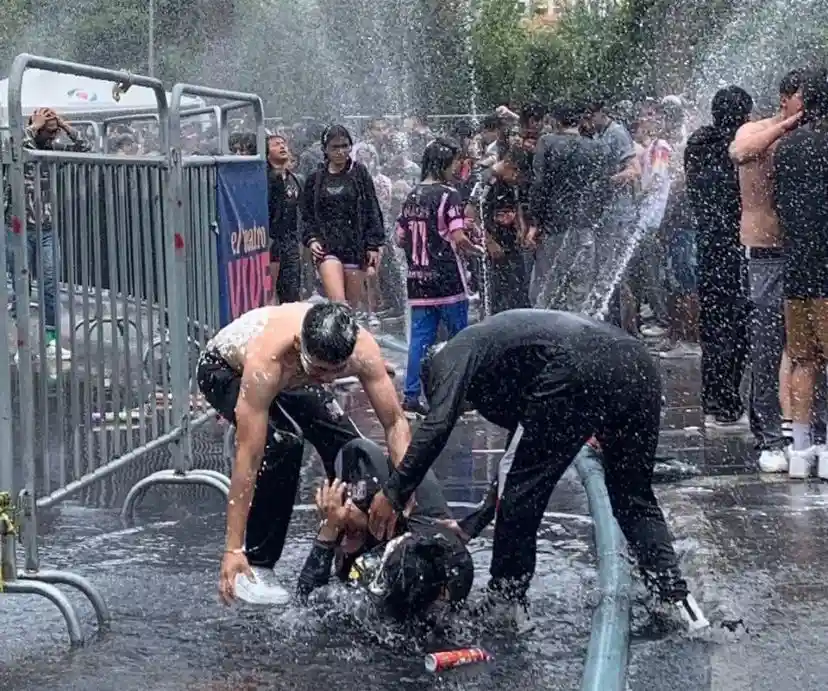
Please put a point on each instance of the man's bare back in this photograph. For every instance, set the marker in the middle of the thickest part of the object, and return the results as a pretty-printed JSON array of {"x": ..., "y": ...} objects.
[
  {"x": 752, "y": 150},
  {"x": 261, "y": 344},
  {"x": 759, "y": 225}
]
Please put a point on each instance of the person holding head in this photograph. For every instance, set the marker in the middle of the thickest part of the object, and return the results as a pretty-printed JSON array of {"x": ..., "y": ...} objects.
[
  {"x": 712, "y": 185},
  {"x": 343, "y": 225},
  {"x": 431, "y": 230},
  {"x": 425, "y": 562},
  {"x": 42, "y": 132},
  {"x": 752, "y": 151},
  {"x": 265, "y": 373},
  {"x": 801, "y": 195}
]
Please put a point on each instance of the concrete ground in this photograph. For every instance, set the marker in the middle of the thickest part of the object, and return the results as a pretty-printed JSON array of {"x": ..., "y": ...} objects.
[{"x": 753, "y": 549}]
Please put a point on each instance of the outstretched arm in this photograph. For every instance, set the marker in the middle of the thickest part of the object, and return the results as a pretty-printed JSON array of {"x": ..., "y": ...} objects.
[{"x": 383, "y": 397}]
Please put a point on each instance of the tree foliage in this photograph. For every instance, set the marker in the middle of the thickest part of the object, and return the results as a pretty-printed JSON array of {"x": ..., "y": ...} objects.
[{"x": 323, "y": 58}]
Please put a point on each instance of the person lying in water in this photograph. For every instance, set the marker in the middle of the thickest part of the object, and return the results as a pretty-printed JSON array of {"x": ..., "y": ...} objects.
[{"x": 425, "y": 562}]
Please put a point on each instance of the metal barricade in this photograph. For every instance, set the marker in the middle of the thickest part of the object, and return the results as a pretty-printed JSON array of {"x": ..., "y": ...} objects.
[
  {"x": 110, "y": 214},
  {"x": 101, "y": 376},
  {"x": 191, "y": 204}
]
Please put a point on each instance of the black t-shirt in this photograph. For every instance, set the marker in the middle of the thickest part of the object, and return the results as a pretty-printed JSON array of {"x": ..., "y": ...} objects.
[
  {"x": 429, "y": 216},
  {"x": 571, "y": 186},
  {"x": 801, "y": 194},
  {"x": 509, "y": 367},
  {"x": 283, "y": 202},
  {"x": 500, "y": 203},
  {"x": 338, "y": 204},
  {"x": 712, "y": 184}
]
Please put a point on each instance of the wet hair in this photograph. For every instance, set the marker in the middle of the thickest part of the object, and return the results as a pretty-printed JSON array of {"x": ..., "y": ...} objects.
[
  {"x": 329, "y": 332},
  {"x": 421, "y": 567},
  {"x": 491, "y": 122},
  {"x": 462, "y": 129},
  {"x": 515, "y": 156},
  {"x": 570, "y": 114},
  {"x": 815, "y": 95},
  {"x": 437, "y": 158},
  {"x": 532, "y": 111},
  {"x": 731, "y": 107},
  {"x": 427, "y": 366},
  {"x": 791, "y": 83},
  {"x": 593, "y": 107},
  {"x": 332, "y": 132},
  {"x": 244, "y": 141}
]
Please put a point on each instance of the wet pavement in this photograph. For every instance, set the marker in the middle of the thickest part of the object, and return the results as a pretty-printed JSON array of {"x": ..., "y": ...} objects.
[{"x": 752, "y": 548}]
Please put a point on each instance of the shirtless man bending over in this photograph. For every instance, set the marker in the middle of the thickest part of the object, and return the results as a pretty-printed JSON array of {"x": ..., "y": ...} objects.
[
  {"x": 752, "y": 151},
  {"x": 265, "y": 372}
]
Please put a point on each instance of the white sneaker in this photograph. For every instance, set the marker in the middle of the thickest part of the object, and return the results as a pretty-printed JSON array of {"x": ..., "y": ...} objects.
[
  {"x": 800, "y": 463},
  {"x": 262, "y": 591},
  {"x": 775, "y": 461},
  {"x": 692, "y": 614},
  {"x": 652, "y": 331},
  {"x": 822, "y": 462}
]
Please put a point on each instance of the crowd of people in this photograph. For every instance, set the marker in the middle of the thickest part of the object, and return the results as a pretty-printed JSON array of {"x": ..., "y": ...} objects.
[
  {"x": 692, "y": 239},
  {"x": 705, "y": 241}
]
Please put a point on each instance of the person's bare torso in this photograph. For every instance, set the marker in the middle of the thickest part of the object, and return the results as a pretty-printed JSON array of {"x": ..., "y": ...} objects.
[
  {"x": 759, "y": 223},
  {"x": 264, "y": 339},
  {"x": 263, "y": 342}
]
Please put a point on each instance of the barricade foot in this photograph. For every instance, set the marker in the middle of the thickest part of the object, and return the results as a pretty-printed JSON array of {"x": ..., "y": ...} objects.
[
  {"x": 50, "y": 592},
  {"x": 391, "y": 342},
  {"x": 77, "y": 582},
  {"x": 170, "y": 477},
  {"x": 221, "y": 477}
]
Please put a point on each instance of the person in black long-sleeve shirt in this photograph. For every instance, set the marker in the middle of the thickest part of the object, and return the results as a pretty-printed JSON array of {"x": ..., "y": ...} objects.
[
  {"x": 556, "y": 379},
  {"x": 283, "y": 195},
  {"x": 712, "y": 184},
  {"x": 428, "y": 546},
  {"x": 343, "y": 225}
]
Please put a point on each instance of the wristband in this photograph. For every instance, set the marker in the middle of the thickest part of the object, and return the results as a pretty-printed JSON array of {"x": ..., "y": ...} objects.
[{"x": 238, "y": 550}]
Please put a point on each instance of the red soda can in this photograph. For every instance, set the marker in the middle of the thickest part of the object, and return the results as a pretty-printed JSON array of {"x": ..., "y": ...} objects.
[{"x": 449, "y": 659}]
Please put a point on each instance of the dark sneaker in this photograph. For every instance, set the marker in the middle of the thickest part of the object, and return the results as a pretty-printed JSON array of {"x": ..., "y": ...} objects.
[
  {"x": 413, "y": 407},
  {"x": 510, "y": 612}
]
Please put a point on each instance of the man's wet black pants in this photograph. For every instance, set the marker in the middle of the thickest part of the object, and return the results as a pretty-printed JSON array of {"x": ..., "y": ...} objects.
[
  {"x": 310, "y": 413},
  {"x": 625, "y": 419}
]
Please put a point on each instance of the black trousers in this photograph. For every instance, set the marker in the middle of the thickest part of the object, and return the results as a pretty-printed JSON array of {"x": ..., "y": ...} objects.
[
  {"x": 310, "y": 413},
  {"x": 624, "y": 412},
  {"x": 509, "y": 282},
  {"x": 724, "y": 318},
  {"x": 290, "y": 274}
]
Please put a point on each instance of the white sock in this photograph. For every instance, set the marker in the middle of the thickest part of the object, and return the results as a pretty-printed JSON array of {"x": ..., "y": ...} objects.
[{"x": 801, "y": 436}]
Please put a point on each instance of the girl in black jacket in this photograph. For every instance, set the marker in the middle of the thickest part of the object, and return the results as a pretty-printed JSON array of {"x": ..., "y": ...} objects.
[{"x": 342, "y": 219}]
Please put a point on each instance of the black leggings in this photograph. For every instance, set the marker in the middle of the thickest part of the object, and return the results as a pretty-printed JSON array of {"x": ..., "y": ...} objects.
[
  {"x": 310, "y": 413},
  {"x": 626, "y": 422}
]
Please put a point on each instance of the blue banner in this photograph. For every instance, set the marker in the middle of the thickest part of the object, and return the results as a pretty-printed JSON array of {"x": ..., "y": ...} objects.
[{"x": 243, "y": 241}]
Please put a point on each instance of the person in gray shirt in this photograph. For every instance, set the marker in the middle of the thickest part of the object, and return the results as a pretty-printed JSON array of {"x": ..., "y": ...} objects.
[
  {"x": 569, "y": 194},
  {"x": 618, "y": 224}
]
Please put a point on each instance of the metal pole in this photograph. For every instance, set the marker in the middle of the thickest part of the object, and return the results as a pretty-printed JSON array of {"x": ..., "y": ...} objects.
[{"x": 151, "y": 49}]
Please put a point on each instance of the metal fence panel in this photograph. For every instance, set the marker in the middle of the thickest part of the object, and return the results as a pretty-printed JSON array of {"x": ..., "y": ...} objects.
[{"x": 115, "y": 284}]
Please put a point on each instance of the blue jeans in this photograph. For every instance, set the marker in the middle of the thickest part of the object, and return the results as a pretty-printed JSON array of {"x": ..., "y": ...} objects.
[
  {"x": 47, "y": 283},
  {"x": 424, "y": 324},
  {"x": 683, "y": 263}
]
